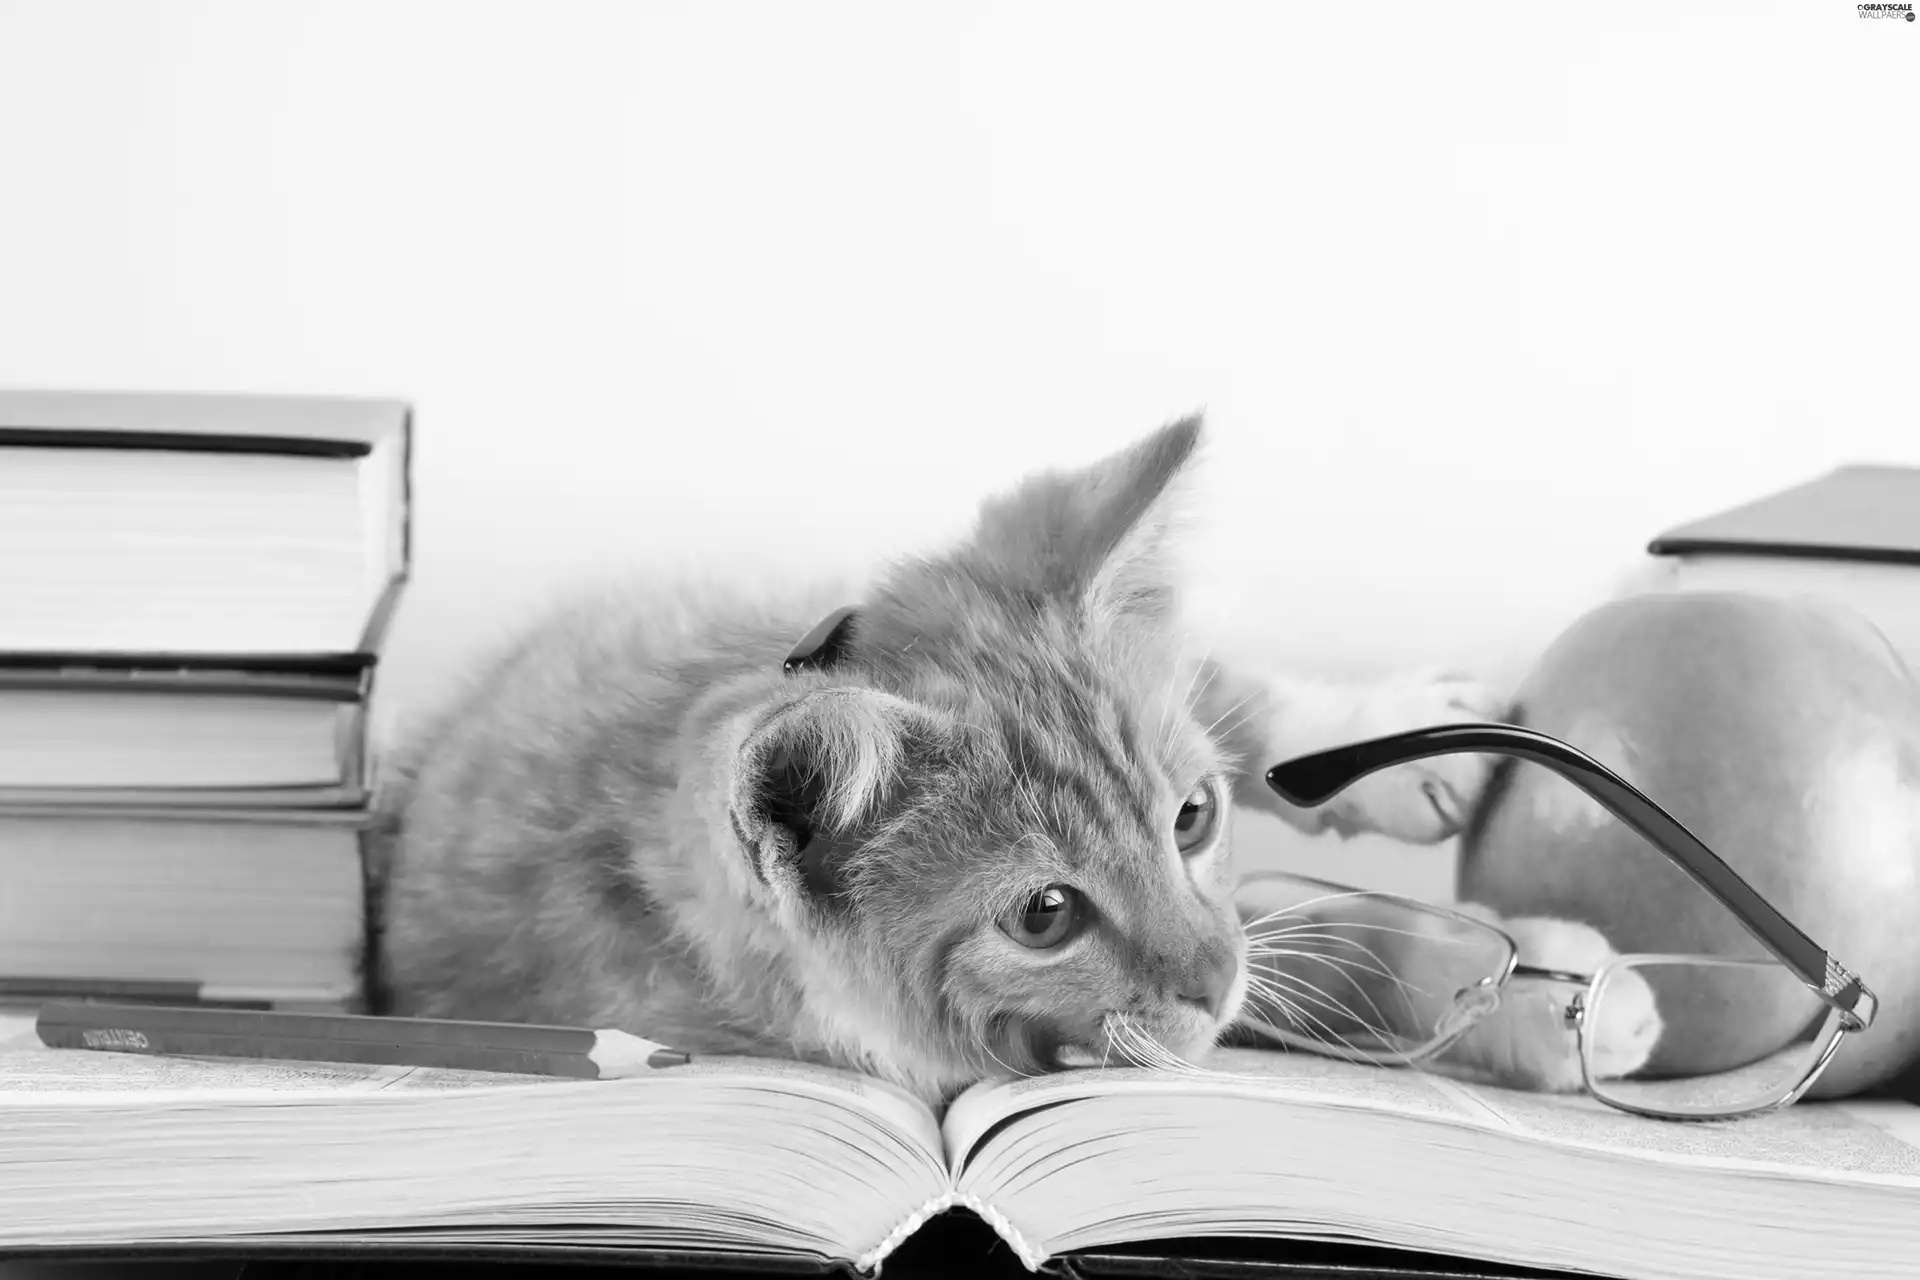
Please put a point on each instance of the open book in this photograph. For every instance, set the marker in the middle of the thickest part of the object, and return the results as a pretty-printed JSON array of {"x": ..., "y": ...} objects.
[{"x": 780, "y": 1160}]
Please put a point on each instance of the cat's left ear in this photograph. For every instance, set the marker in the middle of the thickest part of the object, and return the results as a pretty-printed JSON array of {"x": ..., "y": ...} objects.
[
  {"x": 811, "y": 782},
  {"x": 1101, "y": 535}
]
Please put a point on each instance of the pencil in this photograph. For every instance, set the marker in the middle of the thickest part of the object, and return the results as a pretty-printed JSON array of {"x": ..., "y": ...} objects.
[{"x": 514, "y": 1048}]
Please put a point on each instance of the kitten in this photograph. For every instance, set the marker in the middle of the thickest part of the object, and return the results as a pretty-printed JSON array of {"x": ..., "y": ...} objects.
[{"x": 985, "y": 825}]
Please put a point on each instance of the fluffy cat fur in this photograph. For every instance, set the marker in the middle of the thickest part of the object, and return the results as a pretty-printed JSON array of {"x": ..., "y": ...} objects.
[{"x": 634, "y": 818}]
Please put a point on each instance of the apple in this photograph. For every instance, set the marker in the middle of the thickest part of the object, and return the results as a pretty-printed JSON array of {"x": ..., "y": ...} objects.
[{"x": 1785, "y": 734}]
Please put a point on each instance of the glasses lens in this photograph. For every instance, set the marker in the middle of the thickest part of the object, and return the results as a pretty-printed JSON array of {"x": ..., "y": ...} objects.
[
  {"x": 1702, "y": 1037},
  {"x": 1364, "y": 975}
]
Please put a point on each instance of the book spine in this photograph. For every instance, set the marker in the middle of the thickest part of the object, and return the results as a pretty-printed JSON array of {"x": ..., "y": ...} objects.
[
  {"x": 1683, "y": 546},
  {"x": 869, "y": 1262},
  {"x": 81, "y": 664},
  {"x": 396, "y": 452},
  {"x": 39, "y": 990},
  {"x": 130, "y": 441},
  {"x": 336, "y": 801},
  {"x": 183, "y": 809}
]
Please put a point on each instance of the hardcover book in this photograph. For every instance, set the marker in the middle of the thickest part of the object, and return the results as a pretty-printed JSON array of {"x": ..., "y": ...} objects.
[
  {"x": 1863, "y": 513},
  {"x": 170, "y": 529},
  {"x": 100, "y": 734},
  {"x": 225, "y": 906},
  {"x": 1851, "y": 536}
]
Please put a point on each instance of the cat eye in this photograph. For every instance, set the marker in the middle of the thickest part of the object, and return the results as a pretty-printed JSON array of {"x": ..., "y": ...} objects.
[
  {"x": 1194, "y": 823},
  {"x": 1046, "y": 919}
]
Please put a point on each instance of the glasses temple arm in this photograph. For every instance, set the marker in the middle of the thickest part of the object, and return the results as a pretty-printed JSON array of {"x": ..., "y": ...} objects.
[{"x": 1313, "y": 780}]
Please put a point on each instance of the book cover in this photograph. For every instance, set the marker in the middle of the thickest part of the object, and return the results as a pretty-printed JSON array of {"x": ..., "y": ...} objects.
[{"x": 1860, "y": 512}]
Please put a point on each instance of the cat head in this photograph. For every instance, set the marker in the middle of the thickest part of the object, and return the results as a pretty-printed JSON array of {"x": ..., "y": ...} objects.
[{"x": 990, "y": 795}]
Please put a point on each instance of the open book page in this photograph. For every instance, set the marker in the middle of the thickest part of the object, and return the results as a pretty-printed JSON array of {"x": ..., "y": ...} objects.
[
  {"x": 1271, "y": 1143},
  {"x": 1810, "y": 1140},
  {"x": 1872, "y": 1140},
  {"x": 32, "y": 1074},
  {"x": 1302, "y": 1078},
  {"x": 733, "y": 1154}
]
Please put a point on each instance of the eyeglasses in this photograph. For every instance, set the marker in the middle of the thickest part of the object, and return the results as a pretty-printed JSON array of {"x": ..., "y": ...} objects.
[{"x": 1380, "y": 978}]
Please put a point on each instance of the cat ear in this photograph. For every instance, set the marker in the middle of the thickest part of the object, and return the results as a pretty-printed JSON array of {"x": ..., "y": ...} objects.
[
  {"x": 1101, "y": 535},
  {"x": 809, "y": 783}
]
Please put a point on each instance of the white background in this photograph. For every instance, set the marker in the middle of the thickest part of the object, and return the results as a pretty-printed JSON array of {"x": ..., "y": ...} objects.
[{"x": 1477, "y": 300}]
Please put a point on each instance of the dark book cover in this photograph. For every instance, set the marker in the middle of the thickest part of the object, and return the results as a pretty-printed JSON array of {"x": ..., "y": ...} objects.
[
  {"x": 948, "y": 1247},
  {"x": 1860, "y": 512}
]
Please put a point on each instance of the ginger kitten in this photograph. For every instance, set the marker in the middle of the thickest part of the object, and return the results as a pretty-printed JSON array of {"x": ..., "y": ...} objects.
[{"x": 983, "y": 823}]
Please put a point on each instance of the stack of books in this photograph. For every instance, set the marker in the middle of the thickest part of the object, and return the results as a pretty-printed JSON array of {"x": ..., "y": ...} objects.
[{"x": 195, "y": 591}]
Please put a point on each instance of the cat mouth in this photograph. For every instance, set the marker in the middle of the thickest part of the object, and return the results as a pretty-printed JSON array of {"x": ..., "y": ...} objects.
[
  {"x": 1025, "y": 1045},
  {"x": 1131, "y": 1041},
  {"x": 1128, "y": 1040}
]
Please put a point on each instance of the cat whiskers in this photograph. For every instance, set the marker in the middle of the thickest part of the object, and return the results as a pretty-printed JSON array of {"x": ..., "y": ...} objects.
[
  {"x": 1264, "y": 989},
  {"x": 1139, "y": 1049},
  {"x": 1298, "y": 1000},
  {"x": 1264, "y": 946},
  {"x": 1261, "y": 991},
  {"x": 1346, "y": 966},
  {"x": 1295, "y": 998},
  {"x": 1292, "y": 911},
  {"x": 1267, "y": 944},
  {"x": 1309, "y": 928},
  {"x": 1221, "y": 718},
  {"x": 1194, "y": 690}
]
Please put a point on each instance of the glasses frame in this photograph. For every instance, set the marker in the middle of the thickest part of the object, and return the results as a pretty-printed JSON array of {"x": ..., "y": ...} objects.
[
  {"x": 1311, "y": 780},
  {"x": 1475, "y": 1003},
  {"x": 1833, "y": 1028}
]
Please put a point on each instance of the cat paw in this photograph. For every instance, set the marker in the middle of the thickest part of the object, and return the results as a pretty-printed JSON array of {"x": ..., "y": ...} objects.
[
  {"x": 1625, "y": 1026},
  {"x": 1527, "y": 1043},
  {"x": 1429, "y": 800}
]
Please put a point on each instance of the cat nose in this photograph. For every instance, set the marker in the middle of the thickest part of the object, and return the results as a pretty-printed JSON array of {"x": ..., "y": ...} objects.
[{"x": 1208, "y": 985}]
